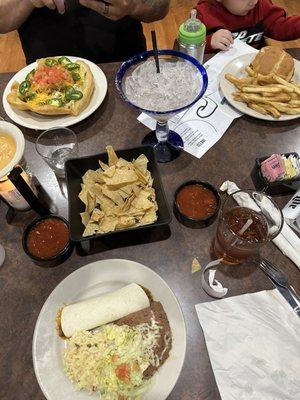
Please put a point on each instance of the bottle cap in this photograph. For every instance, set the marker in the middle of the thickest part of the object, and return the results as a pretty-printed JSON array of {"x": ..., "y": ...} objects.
[{"x": 193, "y": 31}]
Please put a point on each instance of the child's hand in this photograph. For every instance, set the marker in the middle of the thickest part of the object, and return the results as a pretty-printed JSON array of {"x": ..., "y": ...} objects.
[{"x": 221, "y": 40}]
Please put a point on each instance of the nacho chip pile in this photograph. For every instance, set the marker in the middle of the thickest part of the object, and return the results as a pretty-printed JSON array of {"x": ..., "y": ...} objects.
[{"x": 118, "y": 195}]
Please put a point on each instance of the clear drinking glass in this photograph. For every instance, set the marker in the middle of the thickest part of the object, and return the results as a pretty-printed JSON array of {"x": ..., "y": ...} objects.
[
  {"x": 56, "y": 146},
  {"x": 247, "y": 221},
  {"x": 167, "y": 143}
]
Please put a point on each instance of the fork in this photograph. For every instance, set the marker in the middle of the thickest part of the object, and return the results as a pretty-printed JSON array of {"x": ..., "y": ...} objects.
[{"x": 277, "y": 276}]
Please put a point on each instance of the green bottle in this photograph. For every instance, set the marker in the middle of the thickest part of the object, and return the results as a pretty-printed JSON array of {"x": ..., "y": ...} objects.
[{"x": 192, "y": 37}]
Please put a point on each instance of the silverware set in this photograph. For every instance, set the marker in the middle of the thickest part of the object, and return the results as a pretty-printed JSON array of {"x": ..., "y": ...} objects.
[{"x": 282, "y": 284}]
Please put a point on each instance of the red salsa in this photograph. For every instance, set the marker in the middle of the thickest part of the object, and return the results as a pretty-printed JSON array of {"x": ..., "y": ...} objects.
[
  {"x": 47, "y": 238},
  {"x": 196, "y": 201}
]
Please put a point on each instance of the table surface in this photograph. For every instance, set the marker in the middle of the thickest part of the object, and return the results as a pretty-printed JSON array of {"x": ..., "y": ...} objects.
[{"x": 25, "y": 286}]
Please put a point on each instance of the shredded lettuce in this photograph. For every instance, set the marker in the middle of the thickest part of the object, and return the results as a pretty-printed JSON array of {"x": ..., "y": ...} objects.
[{"x": 112, "y": 360}]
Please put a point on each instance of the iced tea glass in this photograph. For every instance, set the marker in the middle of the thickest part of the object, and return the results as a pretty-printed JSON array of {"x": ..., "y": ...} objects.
[{"x": 247, "y": 221}]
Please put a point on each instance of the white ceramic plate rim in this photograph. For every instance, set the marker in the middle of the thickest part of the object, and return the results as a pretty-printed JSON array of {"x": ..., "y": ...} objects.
[
  {"x": 31, "y": 120},
  {"x": 99, "y": 277},
  {"x": 236, "y": 67}
]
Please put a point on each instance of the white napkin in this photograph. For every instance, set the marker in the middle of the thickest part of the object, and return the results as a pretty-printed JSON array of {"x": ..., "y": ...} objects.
[
  {"x": 287, "y": 241},
  {"x": 253, "y": 345},
  {"x": 213, "y": 288},
  {"x": 291, "y": 212}
]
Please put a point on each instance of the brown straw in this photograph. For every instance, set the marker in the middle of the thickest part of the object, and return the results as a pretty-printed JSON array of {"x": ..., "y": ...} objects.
[{"x": 154, "y": 45}]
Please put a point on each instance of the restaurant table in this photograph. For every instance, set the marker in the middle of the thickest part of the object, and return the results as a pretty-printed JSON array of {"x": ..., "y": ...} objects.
[{"x": 169, "y": 252}]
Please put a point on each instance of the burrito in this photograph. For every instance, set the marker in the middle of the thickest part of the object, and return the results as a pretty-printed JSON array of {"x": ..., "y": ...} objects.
[{"x": 109, "y": 307}]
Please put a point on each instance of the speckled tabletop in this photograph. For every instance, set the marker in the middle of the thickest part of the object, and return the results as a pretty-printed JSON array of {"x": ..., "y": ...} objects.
[{"x": 24, "y": 287}]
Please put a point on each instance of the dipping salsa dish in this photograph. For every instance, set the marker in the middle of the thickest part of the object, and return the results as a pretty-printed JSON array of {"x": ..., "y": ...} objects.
[
  {"x": 46, "y": 240},
  {"x": 196, "y": 203}
]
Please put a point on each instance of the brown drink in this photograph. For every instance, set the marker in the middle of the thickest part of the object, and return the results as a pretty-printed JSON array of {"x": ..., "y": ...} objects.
[
  {"x": 233, "y": 247},
  {"x": 241, "y": 230}
]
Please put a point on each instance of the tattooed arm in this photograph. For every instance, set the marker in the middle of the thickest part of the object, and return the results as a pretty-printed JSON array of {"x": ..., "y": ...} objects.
[
  {"x": 144, "y": 10},
  {"x": 13, "y": 13}
]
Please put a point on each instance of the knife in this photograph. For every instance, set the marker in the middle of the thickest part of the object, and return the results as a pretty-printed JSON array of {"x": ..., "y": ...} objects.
[{"x": 288, "y": 297}]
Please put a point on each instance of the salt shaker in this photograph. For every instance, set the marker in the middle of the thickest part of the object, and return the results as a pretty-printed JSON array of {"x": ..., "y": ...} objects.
[{"x": 191, "y": 37}]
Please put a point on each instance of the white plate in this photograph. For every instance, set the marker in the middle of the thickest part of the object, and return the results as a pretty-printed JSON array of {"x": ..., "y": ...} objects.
[
  {"x": 32, "y": 120},
  {"x": 94, "y": 279},
  {"x": 237, "y": 68}
]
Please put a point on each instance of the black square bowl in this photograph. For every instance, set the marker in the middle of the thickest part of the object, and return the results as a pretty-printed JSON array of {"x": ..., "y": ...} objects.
[
  {"x": 75, "y": 169},
  {"x": 287, "y": 186}
]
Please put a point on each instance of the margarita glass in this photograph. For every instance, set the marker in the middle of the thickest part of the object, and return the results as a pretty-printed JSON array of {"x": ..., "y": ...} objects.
[{"x": 172, "y": 92}]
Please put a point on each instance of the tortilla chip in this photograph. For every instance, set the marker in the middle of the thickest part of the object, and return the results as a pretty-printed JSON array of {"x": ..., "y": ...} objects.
[
  {"x": 106, "y": 204},
  {"x": 103, "y": 166},
  {"x": 91, "y": 176},
  {"x": 148, "y": 218},
  {"x": 91, "y": 229},
  {"x": 112, "y": 157},
  {"x": 85, "y": 218},
  {"x": 141, "y": 163},
  {"x": 121, "y": 178},
  {"x": 114, "y": 196},
  {"x": 196, "y": 266},
  {"x": 125, "y": 222},
  {"x": 97, "y": 215},
  {"x": 83, "y": 194},
  {"x": 91, "y": 203},
  {"x": 141, "y": 201},
  {"x": 123, "y": 163},
  {"x": 118, "y": 195},
  {"x": 109, "y": 172},
  {"x": 107, "y": 224}
]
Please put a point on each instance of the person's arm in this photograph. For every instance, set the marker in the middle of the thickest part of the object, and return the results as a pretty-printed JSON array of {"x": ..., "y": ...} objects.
[
  {"x": 277, "y": 25},
  {"x": 13, "y": 13},
  {"x": 143, "y": 10}
]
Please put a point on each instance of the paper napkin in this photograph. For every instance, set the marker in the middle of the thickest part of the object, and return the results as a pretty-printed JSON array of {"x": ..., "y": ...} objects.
[{"x": 253, "y": 345}]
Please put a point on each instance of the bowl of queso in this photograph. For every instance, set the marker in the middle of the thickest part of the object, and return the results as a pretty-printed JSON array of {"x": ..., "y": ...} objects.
[
  {"x": 196, "y": 204},
  {"x": 46, "y": 241}
]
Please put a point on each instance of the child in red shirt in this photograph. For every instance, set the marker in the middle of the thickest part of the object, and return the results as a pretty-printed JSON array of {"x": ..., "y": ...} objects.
[{"x": 247, "y": 20}]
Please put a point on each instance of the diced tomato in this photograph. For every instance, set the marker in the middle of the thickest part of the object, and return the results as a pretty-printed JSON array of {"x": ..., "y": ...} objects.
[
  {"x": 45, "y": 76},
  {"x": 123, "y": 373}
]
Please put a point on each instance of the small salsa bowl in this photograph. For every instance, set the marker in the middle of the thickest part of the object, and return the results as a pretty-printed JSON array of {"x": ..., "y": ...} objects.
[
  {"x": 192, "y": 221},
  {"x": 33, "y": 245}
]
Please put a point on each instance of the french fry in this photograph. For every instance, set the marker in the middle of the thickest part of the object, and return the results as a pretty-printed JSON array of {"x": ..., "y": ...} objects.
[
  {"x": 254, "y": 98},
  {"x": 295, "y": 88},
  {"x": 261, "y": 89},
  {"x": 267, "y": 94},
  {"x": 238, "y": 81},
  {"x": 250, "y": 71},
  {"x": 271, "y": 110},
  {"x": 286, "y": 108},
  {"x": 265, "y": 78},
  {"x": 294, "y": 103},
  {"x": 295, "y": 96},
  {"x": 258, "y": 108}
]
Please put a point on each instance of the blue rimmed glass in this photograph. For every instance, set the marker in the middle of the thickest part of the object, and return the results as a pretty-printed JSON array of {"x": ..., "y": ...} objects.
[{"x": 168, "y": 144}]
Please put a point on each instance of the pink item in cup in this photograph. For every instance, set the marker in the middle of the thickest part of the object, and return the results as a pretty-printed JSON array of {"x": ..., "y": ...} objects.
[{"x": 273, "y": 168}]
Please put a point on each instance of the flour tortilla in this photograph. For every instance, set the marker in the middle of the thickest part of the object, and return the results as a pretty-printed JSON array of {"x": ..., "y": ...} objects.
[{"x": 109, "y": 307}]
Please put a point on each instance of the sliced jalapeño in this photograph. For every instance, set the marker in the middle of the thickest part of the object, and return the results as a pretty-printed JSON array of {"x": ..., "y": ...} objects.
[
  {"x": 55, "y": 102},
  {"x": 70, "y": 66},
  {"x": 50, "y": 62},
  {"x": 30, "y": 75},
  {"x": 75, "y": 76},
  {"x": 24, "y": 86},
  {"x": 64, "y": 60},
  {"x": 72, "y": 94}
]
